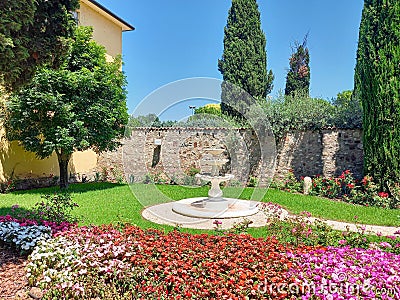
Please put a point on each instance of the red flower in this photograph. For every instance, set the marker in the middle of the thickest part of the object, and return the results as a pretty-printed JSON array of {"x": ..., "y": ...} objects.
[{"x": 383, "y": 194}]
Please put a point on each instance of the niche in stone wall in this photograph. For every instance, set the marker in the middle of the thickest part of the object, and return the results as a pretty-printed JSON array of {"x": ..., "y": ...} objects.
[{"x": 156, "y": 156}]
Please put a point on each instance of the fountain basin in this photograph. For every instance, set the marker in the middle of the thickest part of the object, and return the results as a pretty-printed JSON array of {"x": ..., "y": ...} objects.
[{"x": 222, "y": 208}]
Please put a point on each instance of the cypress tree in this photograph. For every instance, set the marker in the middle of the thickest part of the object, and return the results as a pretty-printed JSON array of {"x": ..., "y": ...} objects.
[
  {"x": 244, "y": 60},
  {"x": 377, "y": 84},
  {"x": 298, "y": 76}
]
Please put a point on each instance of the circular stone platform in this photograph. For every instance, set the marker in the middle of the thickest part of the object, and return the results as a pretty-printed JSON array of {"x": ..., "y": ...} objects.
[
  {"x": 163, "y": 214},
  {"x": 225, "y": 208}
]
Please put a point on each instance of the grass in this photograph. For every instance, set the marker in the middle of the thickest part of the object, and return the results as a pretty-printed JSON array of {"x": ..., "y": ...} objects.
[{"x": 103, "y": 203}]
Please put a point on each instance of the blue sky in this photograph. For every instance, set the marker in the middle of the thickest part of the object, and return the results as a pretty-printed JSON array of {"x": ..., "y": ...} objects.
[{"x": 178, "y": 39}]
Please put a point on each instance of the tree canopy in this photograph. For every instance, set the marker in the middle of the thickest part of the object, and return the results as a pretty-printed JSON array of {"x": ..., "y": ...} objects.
[
  {"x": 298, "y": 76},
  {"x": 244, "y": 60},
  {"x": 80, "y": 106},
  {"x": 33, "y": 33},
  {"x": 377, "y": 84}
]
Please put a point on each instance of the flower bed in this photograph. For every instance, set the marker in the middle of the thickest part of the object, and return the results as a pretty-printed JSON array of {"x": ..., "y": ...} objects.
[
  {"x": 24, "y": 234},
  {"x": 345, "y": 187},
  {"x": 347, "y": 273},
  {"x": 85, "y": 263}
]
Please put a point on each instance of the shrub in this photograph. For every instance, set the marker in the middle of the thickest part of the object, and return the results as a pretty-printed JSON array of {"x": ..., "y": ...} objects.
[
  {"x": 346, "y": 188},
  {"x": 253, "y": 181},
  {"x": 55, "y": 208},
  {"x": 289, "y": 183}
]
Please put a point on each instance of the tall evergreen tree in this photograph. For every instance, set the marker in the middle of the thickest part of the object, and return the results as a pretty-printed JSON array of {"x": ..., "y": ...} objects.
[
  {"x": 244, "y": 60},
  {"x": 298, "y": 76},
  {"x": 377, "y": 84}
]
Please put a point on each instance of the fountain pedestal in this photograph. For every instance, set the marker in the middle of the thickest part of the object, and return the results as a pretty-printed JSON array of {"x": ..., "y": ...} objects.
[{"x": 215, "y": 206}]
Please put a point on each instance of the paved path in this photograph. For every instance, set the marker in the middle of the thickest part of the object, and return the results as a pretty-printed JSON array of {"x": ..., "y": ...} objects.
[{"x": 163, "y": 214}]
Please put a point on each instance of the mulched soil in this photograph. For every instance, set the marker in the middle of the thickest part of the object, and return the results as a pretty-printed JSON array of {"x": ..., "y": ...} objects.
[{"x": 13, "y": 283}]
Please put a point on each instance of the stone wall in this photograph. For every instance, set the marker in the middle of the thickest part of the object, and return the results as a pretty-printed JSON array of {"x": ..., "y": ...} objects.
[
  {"x": 325, "y": 152},
  {"x": 174, "y": 151}
]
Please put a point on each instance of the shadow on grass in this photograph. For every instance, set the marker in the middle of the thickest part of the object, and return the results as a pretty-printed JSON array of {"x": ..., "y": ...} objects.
[
  {"x": 4, "y": 211},
  {"x": 73, "y": 188}
]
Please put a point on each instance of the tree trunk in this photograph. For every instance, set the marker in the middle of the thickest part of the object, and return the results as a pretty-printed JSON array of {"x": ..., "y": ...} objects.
[{"x": 63, "y": 160}]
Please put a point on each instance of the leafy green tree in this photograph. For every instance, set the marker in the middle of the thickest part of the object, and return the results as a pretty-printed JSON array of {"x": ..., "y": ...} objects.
[
  {"x": 244, "y": 60},
  {"x": 32, "y": 32},
  {"x": 348, "y": 111},
  {"x": 80, "y": 106},
  {"x": 377, "y": 84},
  {"x": 298, "y": 76},
  {"x": 297, "y": 112},
  {"x": 210, "y": 109},
  {"x": 149, "y": 120},
  {"x": 343, "y": 98}
]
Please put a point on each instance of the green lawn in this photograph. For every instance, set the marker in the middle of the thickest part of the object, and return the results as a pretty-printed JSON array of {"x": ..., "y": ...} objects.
[{"x": 103, "y": 203}]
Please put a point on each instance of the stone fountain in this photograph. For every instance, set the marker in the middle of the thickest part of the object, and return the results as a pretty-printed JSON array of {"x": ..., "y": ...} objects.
[{"x": 215, "y": 205}]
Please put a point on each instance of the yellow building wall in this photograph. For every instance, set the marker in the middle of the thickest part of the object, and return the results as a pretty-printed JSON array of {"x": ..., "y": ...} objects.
[
  {"x": 15, "y": 161},
  {"x": 105, "y": 32}
]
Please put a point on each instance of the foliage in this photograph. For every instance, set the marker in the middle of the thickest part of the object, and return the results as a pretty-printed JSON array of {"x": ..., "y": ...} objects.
[
  {"x": 78, "y": 107},
  {"x": 377, "y": 80},
  {"x": 150, "y": 120},
  {"x": 118, "y": 175},
  {"x": 211, "y": 120},
  {"x": 150, "y": 264},
  {"x": 192, "y": 171},
  {"x": 289, "y": 183},
  {"x": 297, "y": 112},
  {"x": 23, "y": 238},
  {"x": 33, "y": 33},
  {"x": 237, "y": 227},
  {"x": 344, "y": 187},
  {"x": 348, "y": 110},
  {"x": 298, "y": 76},
  {"x": 253, "y": 182},
  {"x": 302, "y": 229},
  {"x": 23, "y": 220},
  {"x": 210, "y": 109},
  {"x": 244, "y": 60},
  {"x": 54, "y": 208},
  {"x": 127, "y": 262}
]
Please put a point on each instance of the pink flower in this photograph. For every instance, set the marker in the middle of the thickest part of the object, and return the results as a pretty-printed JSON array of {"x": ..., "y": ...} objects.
[
  {"x": 385, "y": 245},
  {"x": 342, "y": 242}
]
